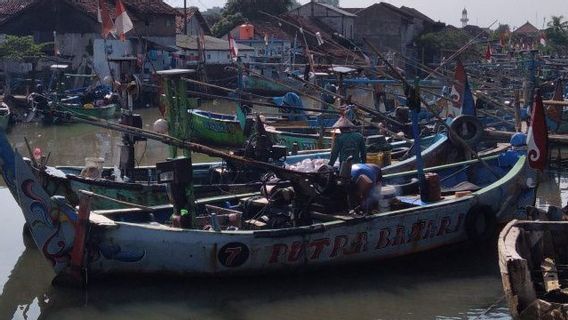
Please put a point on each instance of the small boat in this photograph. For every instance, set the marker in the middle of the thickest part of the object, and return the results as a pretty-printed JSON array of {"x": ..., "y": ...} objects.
[
  {"x": 225, "y": 130},
  {"x": 5, "y": 116},
  {"x": 533, "y": 260},
  {"x": 296, "y": 227},
  {"x": 102, "y": 112},
  {"x": 216, "y": 129}
]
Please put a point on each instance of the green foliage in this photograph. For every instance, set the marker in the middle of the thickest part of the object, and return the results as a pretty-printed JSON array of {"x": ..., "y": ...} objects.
[
  {"x": 226, "y": 23},
  {"x": 557, "y": 35},
  {"x": 445, "y": 42},
  {"x": 19, "y": 48},
  {"x": 238, "y": 11},
  {"x": 447, "y": 39}
]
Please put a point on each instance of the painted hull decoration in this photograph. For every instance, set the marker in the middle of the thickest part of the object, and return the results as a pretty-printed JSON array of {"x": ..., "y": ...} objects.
[{"x": 124, "y": 241}]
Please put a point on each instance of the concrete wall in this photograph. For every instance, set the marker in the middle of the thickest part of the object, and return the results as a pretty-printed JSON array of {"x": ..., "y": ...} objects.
[{"x": 340, "y": 23}]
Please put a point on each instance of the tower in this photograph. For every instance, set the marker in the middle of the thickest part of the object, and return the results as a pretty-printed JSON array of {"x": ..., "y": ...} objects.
[{"x": 464, "y": 20}]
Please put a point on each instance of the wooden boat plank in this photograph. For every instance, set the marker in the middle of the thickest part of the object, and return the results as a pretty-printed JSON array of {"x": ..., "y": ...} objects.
[{"x": 550, "y": 275}]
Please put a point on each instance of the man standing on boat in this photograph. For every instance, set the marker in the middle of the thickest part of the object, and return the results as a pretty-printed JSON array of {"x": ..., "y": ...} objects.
[{"x": 348, "y": 143}]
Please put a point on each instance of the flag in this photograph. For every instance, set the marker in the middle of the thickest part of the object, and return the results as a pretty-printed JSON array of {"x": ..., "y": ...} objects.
[
  {"x": 458, "y": 88},
  {"x": 542, "y": 40},
  {"x": 103, "y": 17},
  {"x": 537, "y": 137},
  {"x": 122, "y": 23},
  {"x": 233, "y": 49},
  {"x": 468, "y": 107},
  {"x": 488, "y": 52}
]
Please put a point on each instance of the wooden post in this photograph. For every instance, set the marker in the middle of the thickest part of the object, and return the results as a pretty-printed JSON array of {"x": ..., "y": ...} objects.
[{"x": 517, "y": 106}]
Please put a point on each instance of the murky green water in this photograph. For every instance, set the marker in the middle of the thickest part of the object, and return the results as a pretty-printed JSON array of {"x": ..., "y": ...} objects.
[{"x": 458, "y": 283}]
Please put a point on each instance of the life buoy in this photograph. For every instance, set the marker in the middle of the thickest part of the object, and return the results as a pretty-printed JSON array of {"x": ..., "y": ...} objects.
[
  {"x": 29, "y": 242},
  {"x": 468, "y": 128},
  {"x": 480, "y": 223}
]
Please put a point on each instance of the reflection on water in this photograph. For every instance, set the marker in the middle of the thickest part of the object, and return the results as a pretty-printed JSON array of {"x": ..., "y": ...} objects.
[{"x": 458, "y": 283}]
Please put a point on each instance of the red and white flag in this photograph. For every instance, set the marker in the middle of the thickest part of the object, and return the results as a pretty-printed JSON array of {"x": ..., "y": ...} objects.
[
  {"x": 103, "y": 17},
  {"x": 122, "y": 23},
  {"x": 233, "y": 49},
  {"x": 458, "y": 89},
  {"x": 537, "y": 137},
  {"x": 542, "y": 40},
  {"x": 488, "y": 52}
]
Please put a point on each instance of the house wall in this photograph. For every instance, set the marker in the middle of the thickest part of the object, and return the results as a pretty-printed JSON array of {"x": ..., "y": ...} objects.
[
  {"x": 341, "y": 24},
  {"x": 194, "y": 27},
  {"x": 216, "y": 56},
  {"x": 156, "y": 25}
]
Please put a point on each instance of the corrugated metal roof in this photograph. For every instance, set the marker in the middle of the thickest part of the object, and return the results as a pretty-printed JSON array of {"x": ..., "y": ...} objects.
[{"x": 211, "y": 43}]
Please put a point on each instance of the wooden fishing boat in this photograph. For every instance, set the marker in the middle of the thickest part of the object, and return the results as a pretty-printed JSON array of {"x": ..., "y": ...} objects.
[
  {"x": 321, "y": 230},
  {"x": 225, "y": 130},
  {"x": 102, "y": 112},
  {"x": 532, "y": 260},
  {"x": 216, "y": 129}
]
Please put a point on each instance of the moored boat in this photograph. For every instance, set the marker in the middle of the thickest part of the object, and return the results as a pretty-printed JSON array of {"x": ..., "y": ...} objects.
[
  {"x": 532, "y": 260},
  {"x": 320, "y": 230}
]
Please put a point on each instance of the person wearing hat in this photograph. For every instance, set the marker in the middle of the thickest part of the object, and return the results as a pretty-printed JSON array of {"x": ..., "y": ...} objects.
[{"x": 348, "y": 143}]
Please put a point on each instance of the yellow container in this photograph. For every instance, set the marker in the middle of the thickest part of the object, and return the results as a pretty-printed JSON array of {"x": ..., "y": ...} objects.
[
  {"x": 375, "y": 158},
  {"x": 382, "y": 159}
]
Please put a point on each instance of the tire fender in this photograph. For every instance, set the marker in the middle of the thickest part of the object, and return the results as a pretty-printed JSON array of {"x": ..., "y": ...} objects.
[
  {"x": 480, "y": 223},
  {"x": 473, "y": 126}
]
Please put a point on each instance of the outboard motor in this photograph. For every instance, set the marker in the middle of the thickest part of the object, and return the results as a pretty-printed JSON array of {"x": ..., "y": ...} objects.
[
  {"x": 178, "y": 176},
  {"x": 127, "y": 162}
]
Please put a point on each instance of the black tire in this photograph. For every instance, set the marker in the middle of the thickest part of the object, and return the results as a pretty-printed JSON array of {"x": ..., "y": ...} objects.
[
  {"x": 480, "y": 223},
  {"x": 474, "y": 132},
  {"x": 29, "y": 242},
  {"x": 411, "y": 187}
]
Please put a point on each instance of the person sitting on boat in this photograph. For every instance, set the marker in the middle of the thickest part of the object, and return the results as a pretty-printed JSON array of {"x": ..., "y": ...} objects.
[
  {"x": 348, "y": 143},
  {"x": 368, "y": 182},
  {"x": 291, "y": 104}
]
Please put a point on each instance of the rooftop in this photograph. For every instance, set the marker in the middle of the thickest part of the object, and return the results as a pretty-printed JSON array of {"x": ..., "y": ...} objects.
[
  {"x": 211, "y": 43},
  {"x": 12, "y": 8},
  {"x": 526, "y": 28}
]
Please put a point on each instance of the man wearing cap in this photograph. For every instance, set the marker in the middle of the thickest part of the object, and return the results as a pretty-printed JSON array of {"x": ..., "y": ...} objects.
[{"x": 348, "y": 143}]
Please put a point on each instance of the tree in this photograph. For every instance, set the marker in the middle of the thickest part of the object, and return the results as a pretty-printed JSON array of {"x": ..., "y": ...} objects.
[
  {"x": 20, "y": 48},
  {"x": 557, "y": 35},
  {"x": 238, "y": 11}
]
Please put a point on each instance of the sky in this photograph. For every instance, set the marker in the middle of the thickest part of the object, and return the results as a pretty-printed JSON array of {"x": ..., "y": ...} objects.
[{"x": 480, "y": 12}]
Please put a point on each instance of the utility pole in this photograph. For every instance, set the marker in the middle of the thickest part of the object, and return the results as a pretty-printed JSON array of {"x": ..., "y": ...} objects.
[{"x": 185, "y": 17}]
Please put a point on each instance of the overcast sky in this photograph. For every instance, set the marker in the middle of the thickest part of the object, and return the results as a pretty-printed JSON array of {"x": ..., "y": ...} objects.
[{"x": 481, "y": 12}]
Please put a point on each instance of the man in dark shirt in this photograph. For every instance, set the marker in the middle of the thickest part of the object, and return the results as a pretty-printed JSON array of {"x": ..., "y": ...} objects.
[{"x": 348, "y": 143}]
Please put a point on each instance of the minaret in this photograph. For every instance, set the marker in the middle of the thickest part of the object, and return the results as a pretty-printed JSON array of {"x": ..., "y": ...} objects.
[{"x": 464, "y": 20}]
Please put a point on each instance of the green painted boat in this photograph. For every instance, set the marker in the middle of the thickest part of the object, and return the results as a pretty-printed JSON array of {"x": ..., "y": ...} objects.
[
  {"x": 305, "y": 139},
  {"x": 225, "y": 130},
  {"x": 104, "y": 112},
  {"x": 216, "y": 129}
]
